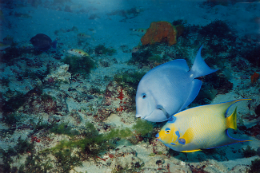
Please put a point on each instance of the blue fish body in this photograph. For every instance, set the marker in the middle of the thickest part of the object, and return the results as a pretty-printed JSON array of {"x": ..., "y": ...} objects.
[
  {"x": 42, "y": 42},
  {"x": 169, "y": 88}
]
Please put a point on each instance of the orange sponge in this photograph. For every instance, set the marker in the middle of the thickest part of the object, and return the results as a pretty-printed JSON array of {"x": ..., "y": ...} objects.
[
  {"x": 254, "y": 77},
  {"x": 160, "y": 32}
]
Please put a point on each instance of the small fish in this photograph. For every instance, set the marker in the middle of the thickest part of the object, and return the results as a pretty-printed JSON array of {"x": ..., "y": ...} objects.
[
  {"x": 139, "y": 31},
  {"x": 202, "y": 127},
  {"x": 169, "y": 88},
  {"x": 135, "y": 49},
  {"x": 4, "y": 46},
  {"x": 77, "y": 52},
  {"x": 83, "y": 36}
]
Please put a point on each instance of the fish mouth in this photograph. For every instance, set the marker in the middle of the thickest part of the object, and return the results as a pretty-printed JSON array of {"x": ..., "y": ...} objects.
[
  {"x": 141, "y": 116},
  {"x": 138, "y": 115}
]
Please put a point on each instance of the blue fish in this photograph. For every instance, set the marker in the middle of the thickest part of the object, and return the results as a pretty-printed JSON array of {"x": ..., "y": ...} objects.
[
  {"x": 169, "y": 88},
  {"x": 42, "y": 42}
]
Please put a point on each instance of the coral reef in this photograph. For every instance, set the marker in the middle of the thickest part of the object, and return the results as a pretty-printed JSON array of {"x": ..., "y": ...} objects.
[
  {"x": 255, "y": 167},
  {"x": 130, "y": 162},
  {"x": 79, "y": 65},
  {"x": 257, "y": 110},
  {"x": 160, "y": 32},
  {"x": 214, "y": 33},
  {"x": 102, "y": 50},
  {"x": 249, "y": 152},
  {"x": 37, "y": 101},
  {"x": 213, "y": 84},
  {"x": 14, "y": 102},
  {"x": 252, "y": 55},
  {"x": 59, "y": 75}
]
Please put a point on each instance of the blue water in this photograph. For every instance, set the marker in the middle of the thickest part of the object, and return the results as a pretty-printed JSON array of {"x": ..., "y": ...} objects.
[{"x": 92, "y": 73}]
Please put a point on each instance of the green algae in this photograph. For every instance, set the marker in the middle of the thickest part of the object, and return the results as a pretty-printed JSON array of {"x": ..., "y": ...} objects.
[
  {"x": 23, "y": 146},
  {"x": 66, "y": 160},
  {"x": 93, "y": 143},
  {"x": 63, "y": 128},
  {"x": 102, "y": 50},
  {"x": 249, "y": 152},
  {"x": 129, "y": 78},
  {"x": 81, "y": 65},
  {"x": 143, "y": 127}
]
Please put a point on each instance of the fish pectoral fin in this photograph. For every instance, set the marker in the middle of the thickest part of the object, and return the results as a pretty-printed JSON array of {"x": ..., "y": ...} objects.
[
  {"x": 188, "y": 136},
  {"x": 190, "y": 151},
  {"x": 195, "y": 88},
  {"x": 232, "y": 120}
]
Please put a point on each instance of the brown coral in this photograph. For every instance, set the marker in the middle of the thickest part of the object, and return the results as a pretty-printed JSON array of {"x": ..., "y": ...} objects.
[
  {"x": 254, "y": 77},
  {"x": 160, "y": 32}
]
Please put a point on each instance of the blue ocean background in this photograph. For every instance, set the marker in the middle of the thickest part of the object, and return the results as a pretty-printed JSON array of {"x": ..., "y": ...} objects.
[{"x": 68, "y": 105}]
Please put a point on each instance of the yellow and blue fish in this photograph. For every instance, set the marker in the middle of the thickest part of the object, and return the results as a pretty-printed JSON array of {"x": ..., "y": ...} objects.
[{"x": 202, "y": 127}]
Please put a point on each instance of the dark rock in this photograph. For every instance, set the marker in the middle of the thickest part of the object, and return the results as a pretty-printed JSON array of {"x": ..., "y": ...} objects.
[{"x": 257, "y": 110}]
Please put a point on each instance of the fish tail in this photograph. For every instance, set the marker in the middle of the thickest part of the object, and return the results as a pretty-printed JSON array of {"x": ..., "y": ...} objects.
[
  {"x": 233, "y": 140},
  {"x": 200, "y": 68},
  {"x": 54, "y": 44},
  {"x": 232, "y": 120}
]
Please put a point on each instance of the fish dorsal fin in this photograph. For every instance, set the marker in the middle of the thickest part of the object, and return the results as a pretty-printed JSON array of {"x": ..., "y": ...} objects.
[
  {"x": 226, "y": 105},
  {"x": 200, "y": 68},
  {"x": 232, "y": 120},
  {"x": 188, "y": 136},
  {"x": 222, "y": 108}
]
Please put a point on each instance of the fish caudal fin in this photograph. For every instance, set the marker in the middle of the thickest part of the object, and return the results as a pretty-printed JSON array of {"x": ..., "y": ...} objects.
[
  {"x": 232, "y": 120},
  {"x": 233, "y": 140},
  {"x": 200, "y": 68},
  {"x": 54, "y": 44},
  {"x": 226, "y": 105}
]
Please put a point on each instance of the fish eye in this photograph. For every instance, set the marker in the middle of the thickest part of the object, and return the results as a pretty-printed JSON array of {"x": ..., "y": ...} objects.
[
  {"x": 167, "y": 130},
  {"x": 144, "y": 95}
]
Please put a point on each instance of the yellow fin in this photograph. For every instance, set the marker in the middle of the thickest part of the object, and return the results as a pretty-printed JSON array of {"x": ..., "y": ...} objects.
[
  {"x": 190, "y": 151},
  {"x": 188, "y": 136},
  {"x": 232, "y": 120}
]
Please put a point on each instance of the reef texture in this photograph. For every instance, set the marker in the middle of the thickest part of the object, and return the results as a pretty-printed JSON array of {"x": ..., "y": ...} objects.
[{"x": 160, "y": 32}]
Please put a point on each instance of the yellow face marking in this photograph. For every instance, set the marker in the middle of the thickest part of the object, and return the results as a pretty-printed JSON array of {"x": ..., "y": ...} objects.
[{"x": 167, "y": 134}]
